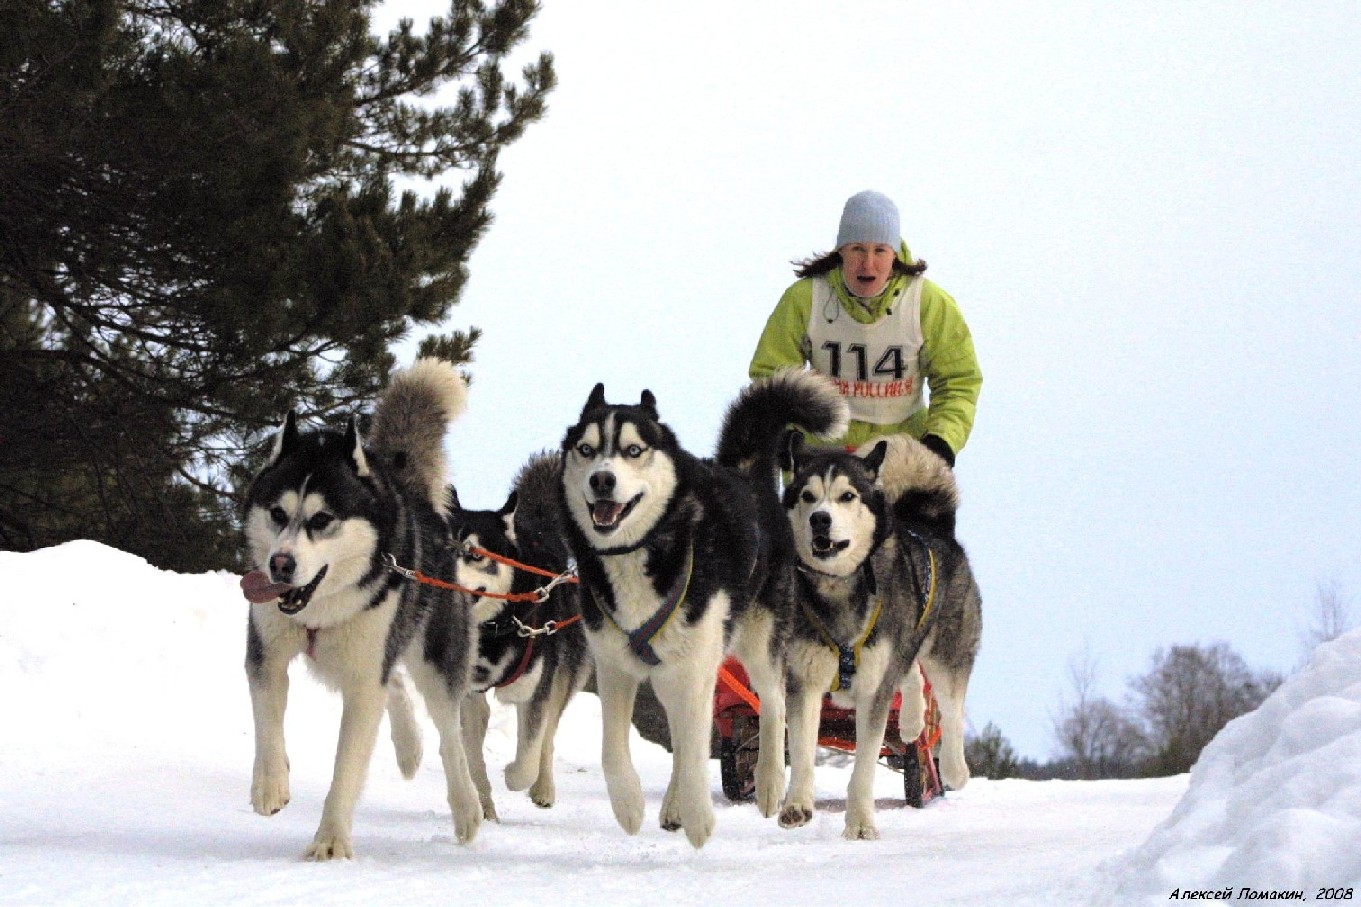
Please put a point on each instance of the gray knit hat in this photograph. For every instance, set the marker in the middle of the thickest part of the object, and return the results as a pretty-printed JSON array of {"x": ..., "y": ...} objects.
[{"x": 869, "y": 217}]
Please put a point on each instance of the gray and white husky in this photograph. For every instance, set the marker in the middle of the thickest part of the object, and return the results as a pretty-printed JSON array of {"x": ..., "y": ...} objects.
[
  {"x": 883, "y": 587},
  {"x": 532, "y": 650},
  {"x": 683, "y": 559},
  {"x": 322, "y": 516}
]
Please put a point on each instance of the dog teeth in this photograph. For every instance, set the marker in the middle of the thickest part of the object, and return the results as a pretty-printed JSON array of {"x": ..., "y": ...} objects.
[{"x": 606, "y": 513}]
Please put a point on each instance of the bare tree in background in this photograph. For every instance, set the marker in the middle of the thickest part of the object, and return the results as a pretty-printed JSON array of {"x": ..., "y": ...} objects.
[
  {"x": 1094, "y": 735},
  {"x": 1331, "y": 618},
  {"x": 1188, "y": 696}
]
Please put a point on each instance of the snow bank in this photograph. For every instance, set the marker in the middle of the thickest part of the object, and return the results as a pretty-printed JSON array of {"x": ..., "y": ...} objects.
[{"x": 1274, "y": 804}]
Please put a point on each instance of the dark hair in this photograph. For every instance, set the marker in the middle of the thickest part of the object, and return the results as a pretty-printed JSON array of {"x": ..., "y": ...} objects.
[{"x": 830, "y": 261}]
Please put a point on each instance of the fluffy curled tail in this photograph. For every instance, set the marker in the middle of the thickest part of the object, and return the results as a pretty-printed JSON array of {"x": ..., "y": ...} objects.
[
  {"x": 409, "y": 424},
  {"x": 916, "y": 481},
  {"x": 756, "y": 421}
]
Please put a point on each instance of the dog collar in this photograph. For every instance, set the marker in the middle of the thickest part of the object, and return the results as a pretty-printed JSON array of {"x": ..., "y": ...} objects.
[{"x": 640, "y": 640}]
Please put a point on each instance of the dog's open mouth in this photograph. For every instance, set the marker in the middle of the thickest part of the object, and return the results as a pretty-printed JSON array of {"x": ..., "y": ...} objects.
[
  {"x": 295, "y": 599},
  {"x": 257, "y": 588},
  {"x": 824, "y": 547},
  {"x": 606, "y": 515}
]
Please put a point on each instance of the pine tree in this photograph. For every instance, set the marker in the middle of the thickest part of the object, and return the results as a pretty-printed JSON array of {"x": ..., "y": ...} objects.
[{"x": 199, "y": 230}]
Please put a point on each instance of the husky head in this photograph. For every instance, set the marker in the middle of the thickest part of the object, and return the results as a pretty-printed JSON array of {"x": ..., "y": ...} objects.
[
  {"x": 313, "y": 522},
  {"x": 618, "y": 475},
  {"x": 834, "y": 506},
  {"x": 476, "y": 532}
]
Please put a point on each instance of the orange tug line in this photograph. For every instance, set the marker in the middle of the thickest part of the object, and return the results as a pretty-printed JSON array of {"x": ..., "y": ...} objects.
[{"x": 536, "y": 595}]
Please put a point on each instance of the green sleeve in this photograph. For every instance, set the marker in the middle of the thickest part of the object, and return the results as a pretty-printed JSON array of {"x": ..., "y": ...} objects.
[
  {"x": 782, "y": 343},
  {"x": 950, "y": 367}
]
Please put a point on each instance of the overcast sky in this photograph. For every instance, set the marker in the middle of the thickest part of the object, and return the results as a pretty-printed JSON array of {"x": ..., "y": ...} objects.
[{"x": 1148, "y": 212}]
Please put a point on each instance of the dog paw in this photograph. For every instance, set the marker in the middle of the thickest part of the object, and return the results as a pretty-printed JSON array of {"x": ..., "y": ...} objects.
[
  {"x": 860, "y": 829},
  {"x": 467, "y": 821},
  {"x": 670, "y": 817},
  {"x": 544, "y": 793},
  {"x": 626, "y": 799},
  {"x": 330, "y": 844},
  {"x": 954, "y": 771},
  {"x": 795, "y": 815},
  {"x": 699, "y": 825},
  {"x": 769, "y": 788},
  {"x": 268, "y": 795},
  {"x": 519, "y": 777},
  {"x": 489, "y": 810},
  {"x": 409, "y": 753}
]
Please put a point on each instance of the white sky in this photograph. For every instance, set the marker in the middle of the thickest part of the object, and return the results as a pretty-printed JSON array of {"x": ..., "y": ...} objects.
[{"x": 1148, "y": 212}]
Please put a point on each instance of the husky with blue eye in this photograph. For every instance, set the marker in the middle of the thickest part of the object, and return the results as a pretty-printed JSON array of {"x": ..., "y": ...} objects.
[
  {"x": 883, "y": 591},
  {"x": 682, "y": 560},
  {"x": 531, "y": 649},
  {"x": 327, "y": 518}
]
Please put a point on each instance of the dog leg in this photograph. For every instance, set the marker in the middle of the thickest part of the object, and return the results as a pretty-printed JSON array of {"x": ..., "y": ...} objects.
[
  {"x": 768, "y": 682},
  {"x": 406, "y": 732},
  {"x": 950, "y": 686},
  {"x": 617, "y": 692},
  {"x": 464, "y": 802},
  {"x": 269, "y": 699},
  {"x": 912, "y": 715},
  {"x": 524, "y": 768},
  {"x": 871, "y": 719},
  {"x": 360, "y": 716},
  {"x": 804, "y": 708},
  {"x": 544, "y": 792},
  {"x": 473, "y": 717},
  {"x": 686, "y": 692}
]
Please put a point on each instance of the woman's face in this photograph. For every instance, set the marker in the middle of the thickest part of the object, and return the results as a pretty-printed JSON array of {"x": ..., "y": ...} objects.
[{"x": 867, "y": 267}]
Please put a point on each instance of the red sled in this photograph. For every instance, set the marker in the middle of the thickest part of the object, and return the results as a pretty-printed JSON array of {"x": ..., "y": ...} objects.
[{"x": 737, "y": 712}]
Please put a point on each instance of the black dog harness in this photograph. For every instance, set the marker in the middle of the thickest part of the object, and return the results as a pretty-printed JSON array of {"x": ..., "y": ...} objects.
[{"x": 640, "y": 640}]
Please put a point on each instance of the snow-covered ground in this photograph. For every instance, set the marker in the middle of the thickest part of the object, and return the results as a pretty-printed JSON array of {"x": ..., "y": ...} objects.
[{"x": 125, "y": 771}]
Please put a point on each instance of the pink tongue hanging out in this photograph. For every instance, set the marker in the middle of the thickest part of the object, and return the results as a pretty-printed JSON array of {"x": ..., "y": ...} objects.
[{"x": 258, "y": 589}]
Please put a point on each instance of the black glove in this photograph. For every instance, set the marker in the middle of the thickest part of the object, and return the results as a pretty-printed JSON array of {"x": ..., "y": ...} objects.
[{"x": 938, "y": 447}]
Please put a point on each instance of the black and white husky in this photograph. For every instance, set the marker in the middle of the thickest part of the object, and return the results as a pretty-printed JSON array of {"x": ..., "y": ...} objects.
[
  {"x": 683, "y": 559},
  {"x": 532, "y": 648},
  {"x": 323, "y": 516},
  {"x": 883, "y": 587}
]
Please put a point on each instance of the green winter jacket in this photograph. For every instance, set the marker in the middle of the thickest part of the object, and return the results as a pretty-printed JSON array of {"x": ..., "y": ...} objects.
[{"x": 948, "y": 363}]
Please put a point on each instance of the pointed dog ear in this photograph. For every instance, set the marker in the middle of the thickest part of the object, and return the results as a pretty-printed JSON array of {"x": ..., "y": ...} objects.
[
  {"x": 649, "y": 403},
  {"x": 875, "y": 458},
  {"x": 285, "y": 439},
  {"x": 507, "y": 514},
  {"x": 355, "y": 445},
  {"x": 451, "y": 501},
  {"x": 790, "y": 448},
  {"x": 597, "y": 398}
]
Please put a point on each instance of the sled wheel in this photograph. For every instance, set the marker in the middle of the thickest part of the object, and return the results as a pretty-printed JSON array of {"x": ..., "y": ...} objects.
[
  {"x": 921, "y": 776},
  {"x": 737, "y": 759},
  {"x": 912, "y": 778}
]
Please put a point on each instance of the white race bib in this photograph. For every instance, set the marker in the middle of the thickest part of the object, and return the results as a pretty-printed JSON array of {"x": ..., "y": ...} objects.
[{"x": 877, "y": 366}]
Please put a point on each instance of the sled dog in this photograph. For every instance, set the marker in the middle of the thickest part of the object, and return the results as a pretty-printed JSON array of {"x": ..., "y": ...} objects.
[
  {"x": 322, "y": 517},
  {"x": 682, "y": 559},
  {"x": 882, "y": 586},
  {"x": 531, "y": 648}
]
